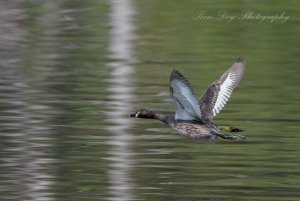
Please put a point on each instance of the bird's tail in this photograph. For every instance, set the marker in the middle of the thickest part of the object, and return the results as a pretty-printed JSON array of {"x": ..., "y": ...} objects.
[{"x": 231, "y": 136}]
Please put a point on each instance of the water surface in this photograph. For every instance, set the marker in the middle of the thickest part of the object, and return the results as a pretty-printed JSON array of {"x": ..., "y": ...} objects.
[{"x": 72, "y": 71}]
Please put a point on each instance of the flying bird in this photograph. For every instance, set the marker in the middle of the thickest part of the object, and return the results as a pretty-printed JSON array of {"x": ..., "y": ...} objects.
[{"x": 194, "y": 118}]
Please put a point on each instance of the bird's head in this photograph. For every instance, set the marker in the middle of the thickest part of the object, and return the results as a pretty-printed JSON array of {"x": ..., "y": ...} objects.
[{"x": 143, "y": 114}]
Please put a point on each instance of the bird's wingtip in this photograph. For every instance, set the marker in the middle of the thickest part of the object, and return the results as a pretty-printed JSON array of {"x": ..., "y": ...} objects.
[
  {"x": 175, "y": 74},
  {"x": 240, "y": 60}
]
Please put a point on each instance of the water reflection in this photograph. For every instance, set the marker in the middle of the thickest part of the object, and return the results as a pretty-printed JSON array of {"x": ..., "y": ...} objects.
[
  {"x": 24, "y": 137},
  {"x": 121, "y": 49},
  {"x": 23, "y": 158}
]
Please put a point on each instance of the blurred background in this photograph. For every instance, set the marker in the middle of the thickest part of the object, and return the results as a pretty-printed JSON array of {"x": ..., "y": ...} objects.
[{"x": 72, "y": 71}]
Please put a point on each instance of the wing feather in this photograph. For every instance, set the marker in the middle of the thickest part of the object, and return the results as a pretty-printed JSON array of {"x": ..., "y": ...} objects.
[
  {"x": 183, "y": 96},
  {"x": 219, "y": 92}
]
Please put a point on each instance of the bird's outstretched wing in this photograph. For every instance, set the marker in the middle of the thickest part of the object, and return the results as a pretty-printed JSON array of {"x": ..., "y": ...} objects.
[
  {"x": 218, "y": 93},
  {"x": 186, "y": 104}
]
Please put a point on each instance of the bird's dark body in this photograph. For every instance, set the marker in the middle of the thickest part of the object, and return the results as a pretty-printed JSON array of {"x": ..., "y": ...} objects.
[
  {"x": 192, "y": 128},
  {"x": 195, "y": 131}
]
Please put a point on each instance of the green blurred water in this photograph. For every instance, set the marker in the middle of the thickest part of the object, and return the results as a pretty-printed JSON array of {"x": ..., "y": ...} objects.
[{"x": 72, "y": 71}]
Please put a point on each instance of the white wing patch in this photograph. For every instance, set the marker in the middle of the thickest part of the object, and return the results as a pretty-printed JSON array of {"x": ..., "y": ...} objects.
[
  {"x": 225, "y": 91},
  {"x": 218, "y": 93}
]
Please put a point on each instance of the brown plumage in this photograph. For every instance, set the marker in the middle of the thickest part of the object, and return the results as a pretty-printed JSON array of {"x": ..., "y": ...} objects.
[{"x": 208, "y": 100}]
